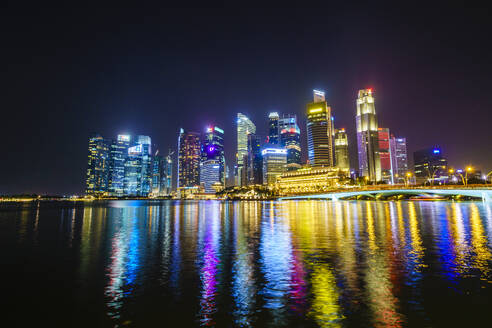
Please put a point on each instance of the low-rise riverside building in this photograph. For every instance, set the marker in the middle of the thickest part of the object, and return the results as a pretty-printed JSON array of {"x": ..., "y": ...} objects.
[{"x": 308, "y": 180}]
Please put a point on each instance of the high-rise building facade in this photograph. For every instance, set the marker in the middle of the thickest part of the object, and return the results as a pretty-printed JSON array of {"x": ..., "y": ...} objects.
[
  {"x": 138, "y": 168},
  {"x": 212, "y": 166},
  {"x": 255, "y": 161},
  {"x": 273, "y": 128},
  {"x": 167, "y": 178},
  {"x": 385, "y": 155},
  {"x": 274, "y": 164},
  {"x": 97, "y": 181},
  {"x": 367, "y": 136},
  {"x": 189, "y": 155},
  {"x": 399, "y": 158},
  {"x": 244, "y": 127},
  {"x": 319, "y": 131},
  {"x": 341, "y": 150},
  {"x": 290, "y": 139},
  {"x": 118, "y": 157},
  {"x": 430, "y": 166},
  {"x": 158, "y": 170}
]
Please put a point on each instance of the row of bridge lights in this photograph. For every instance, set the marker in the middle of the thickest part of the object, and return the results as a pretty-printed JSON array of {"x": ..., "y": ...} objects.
[{"x": 464, "y": 178}]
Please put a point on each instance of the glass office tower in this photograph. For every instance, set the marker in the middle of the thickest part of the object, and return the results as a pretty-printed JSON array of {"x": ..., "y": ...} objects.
[
  {"x": 119, "y": 155},
  {"x": 319, "y": 131},
  {"x": 290, "y": 139},
  {"x": 341, "y": 150},
  {"x": 97, "y": 181},
  {"x": 212, "y": 166},
  {"x": 273, "y": 128},
  {"x": 399, "y": 158},
  {"x": 367, "y": 136},
  {"x": 385, "y": 155},
  {"x": 244, "y": 127},
  {"x": 189, "y": 154},
  {"x": 274, "y": 164}
]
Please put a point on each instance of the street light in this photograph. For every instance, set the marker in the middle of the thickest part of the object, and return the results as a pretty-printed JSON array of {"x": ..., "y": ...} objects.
[{"x": 408, "y": 176}]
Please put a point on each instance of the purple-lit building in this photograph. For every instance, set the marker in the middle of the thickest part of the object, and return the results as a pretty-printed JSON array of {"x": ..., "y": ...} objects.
[{"x": 212, "y": 164}]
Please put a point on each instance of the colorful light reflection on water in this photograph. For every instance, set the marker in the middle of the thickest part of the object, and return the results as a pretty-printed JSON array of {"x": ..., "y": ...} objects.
[{"x": 249, "y": 264}]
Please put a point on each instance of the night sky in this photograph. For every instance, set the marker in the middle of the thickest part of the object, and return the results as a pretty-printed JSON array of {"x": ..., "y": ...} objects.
[{"x": 69, "y": 73}]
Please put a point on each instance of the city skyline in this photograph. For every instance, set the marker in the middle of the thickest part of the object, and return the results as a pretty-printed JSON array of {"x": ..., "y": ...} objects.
[{"x": 63, "y": 91}]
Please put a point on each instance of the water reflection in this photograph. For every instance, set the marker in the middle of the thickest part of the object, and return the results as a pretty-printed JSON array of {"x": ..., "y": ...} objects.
[{"x": 253, "y": 264}]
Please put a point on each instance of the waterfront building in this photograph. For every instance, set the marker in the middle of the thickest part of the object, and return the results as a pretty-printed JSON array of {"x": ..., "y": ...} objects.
[
  {"x": 158, "y": 171},
  {"x": 367, "y": 136},
  {"x": 385, "y": 155},
  {"x": 319, "y": 131},
  {"x": 212, "y": 166},
  {"x": 308, "y": 180},
  {"x": 430, "y": 166},
  {"x": 290, "y": 139},
  {"x": 255, "y": 161},
  {"x": 167, "y": 178},
  {"x": 244, "y": 127},
  {"x": 210, "y": 173},
  {"x": 341, "y": 150},
  {"x": 399, "y": 161},
  {"x": 138, "y": 168},
  {"x": 273, "y": 128},
  {"x": 274, "y": 164},
  {"x": 118, "y": 157},
  {"x": 97, "y": 179},
  {"x": 189, "y": 154}
]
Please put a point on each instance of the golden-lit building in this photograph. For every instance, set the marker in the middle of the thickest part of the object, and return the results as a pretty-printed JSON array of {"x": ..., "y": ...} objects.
[
  {"x": 308, "y": 180},
  {"x": 320, "y": 131}
]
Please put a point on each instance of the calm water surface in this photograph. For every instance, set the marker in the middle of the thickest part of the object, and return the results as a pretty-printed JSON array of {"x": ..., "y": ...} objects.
[{"x": 247, "y": 264}]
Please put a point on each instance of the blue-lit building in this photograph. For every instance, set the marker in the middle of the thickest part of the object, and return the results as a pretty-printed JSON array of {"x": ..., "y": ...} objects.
[
  {"x": 118, "y": 156},
  {"x": 273, "y": 128},
  {"x": 290, "y": 139},
  {"x": 254, "y": 161},
  {"x": 212, "y": 164},
  {"x": 274, "y": 164},
  {"x": 430, "y": 166},
  {"x": 97, "y": 181},
  {"x": 138, "y": 168}
]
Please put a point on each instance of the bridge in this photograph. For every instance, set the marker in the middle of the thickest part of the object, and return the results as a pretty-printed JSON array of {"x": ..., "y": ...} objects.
[{"x": 484, "y": 193}]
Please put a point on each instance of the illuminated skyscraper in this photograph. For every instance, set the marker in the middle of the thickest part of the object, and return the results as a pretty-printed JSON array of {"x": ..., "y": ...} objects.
[
  {"x": 244, "y": 127},
  {"x": 290, "y": 139},
  {"x": 255, "y": 160},
  {"x": 212, "y": 166},
  {"x": 274, "y": 164},
  {"x": 158, "y": 170},
  {"x": 138, "y": 168},
  {"x": 97, "y": 182},
  {"x": 319, "y": 131},
  {"x": 430, "y": 166},
  {"x": 273, "y": 128},
  {"x": 118, "y": 156},
  {"x": 167, "y": 178},
  {"x": 341, "y": 150},
  {"x": 367, "y": 136},
  {"x": 399, "y": 161},
  {"x": 189, "y": 153},
  {"x": 385, "y": 155}
]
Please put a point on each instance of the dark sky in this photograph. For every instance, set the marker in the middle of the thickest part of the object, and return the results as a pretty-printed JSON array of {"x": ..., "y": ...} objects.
[{"x": 68, "y": 73}]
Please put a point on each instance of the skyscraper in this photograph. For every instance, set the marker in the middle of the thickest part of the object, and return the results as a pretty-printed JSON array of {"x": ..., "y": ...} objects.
[
  {"x": 212, "y": 166},
  {"x": 255, "y": 160},
  {"x": 430, "y": 166},
  {"x": 273, "y": 128},
  {"x": 274, "y": 164},
  {"x": 167, "y": 178},
  {"x": 385, "y": 155},
  {"x": 319, "y": 131},
  {"x": 367, "y": 136},
  {"x": 290, "y": 139},
  {"x": 341, "y": 150},
  {"x": 189, "y": 153},
  {"x": 138, "y": 168},
  {"x": 98, "y": 166},
  {"x": 399, "y": 161},
  {"x": 244, "y": 127},
  {"x": 118, "y": 156},
  {"x": 158, "y": 170}
]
